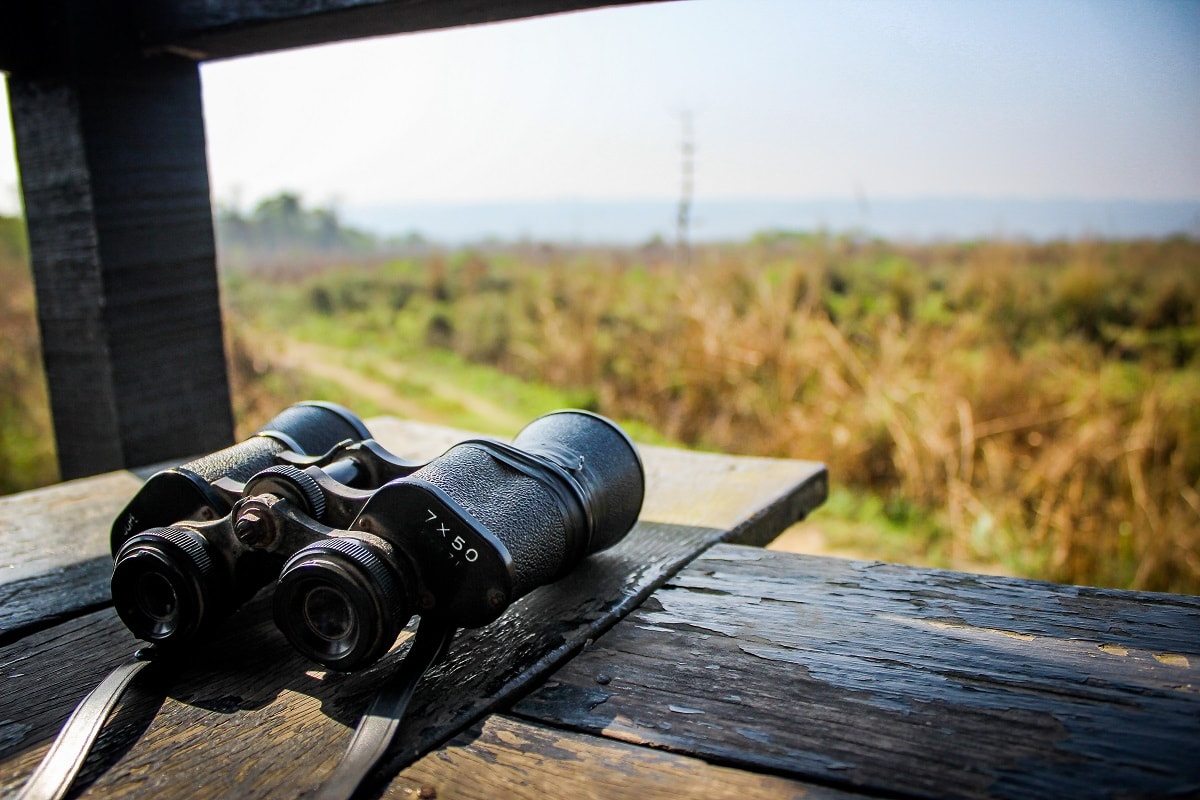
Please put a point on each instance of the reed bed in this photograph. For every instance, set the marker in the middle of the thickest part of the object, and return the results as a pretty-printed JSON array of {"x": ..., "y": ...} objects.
[
  {"x": 1036, "y": 401},
  {"x": 1034, "y": 405},
  {"x": 27, "y": 455}
]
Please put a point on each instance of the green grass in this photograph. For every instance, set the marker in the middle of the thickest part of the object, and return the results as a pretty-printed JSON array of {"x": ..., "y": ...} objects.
[
  {"x": 1026, "y": 408},
  {"x": 858, "y": 523},
  {"x": 1020, "y": 405},
  {"x": 27, "y": 455}
]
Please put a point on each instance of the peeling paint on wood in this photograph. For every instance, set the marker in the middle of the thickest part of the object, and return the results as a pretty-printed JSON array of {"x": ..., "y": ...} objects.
[{"x": 899, "y": 680}]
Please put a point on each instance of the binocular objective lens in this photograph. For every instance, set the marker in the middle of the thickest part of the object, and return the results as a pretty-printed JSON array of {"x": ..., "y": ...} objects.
[
  {"x": 156, "y": 598},
  {"x": 328, "y": 614}
]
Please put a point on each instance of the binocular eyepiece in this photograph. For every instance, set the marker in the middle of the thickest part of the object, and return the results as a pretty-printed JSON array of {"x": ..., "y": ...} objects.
[{"x": 358, "y": 541}]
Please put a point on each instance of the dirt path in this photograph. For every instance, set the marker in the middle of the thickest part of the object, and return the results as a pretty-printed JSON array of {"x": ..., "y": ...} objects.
[{"x": 430, "y": 397}]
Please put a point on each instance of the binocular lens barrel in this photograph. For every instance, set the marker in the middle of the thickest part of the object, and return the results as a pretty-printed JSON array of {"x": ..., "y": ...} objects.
[
  {"x": 602, "y": 460},
  {"x": 157, "y": 600},
  {"x": 462, "y": 537},
  {"x": 314, "y": 427},
  {"x": 571, "y": 484},
  {"x": 169, "y": 581},
  {"x": 329, "y": 615}
]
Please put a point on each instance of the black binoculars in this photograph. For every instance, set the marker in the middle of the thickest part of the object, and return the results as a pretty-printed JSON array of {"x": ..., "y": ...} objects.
[{"x": 357, "y": 540}]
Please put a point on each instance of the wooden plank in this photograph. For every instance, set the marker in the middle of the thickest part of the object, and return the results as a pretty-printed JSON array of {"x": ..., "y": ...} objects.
[
  {"x": 899, "y": 681},
  {"x": 206, "y": 30},
  {"x": 505, "y": 757},
  {"x": 272, "y": 710},
  {"x": 54, "y": 558},
  {"x": 115, "y": 182}
]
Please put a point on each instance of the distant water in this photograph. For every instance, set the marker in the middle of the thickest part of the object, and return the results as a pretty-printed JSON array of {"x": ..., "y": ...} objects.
[{"x": 917, "y": 219}]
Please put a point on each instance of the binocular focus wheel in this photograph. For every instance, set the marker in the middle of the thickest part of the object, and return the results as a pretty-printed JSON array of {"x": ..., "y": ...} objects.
[{"x": 291, "y": 482}]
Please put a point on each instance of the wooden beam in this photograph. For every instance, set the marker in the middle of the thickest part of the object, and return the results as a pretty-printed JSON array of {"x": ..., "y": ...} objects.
[
  {"x": 32, "y": 31},
  {"x": 206, "y": 30},
  {"x": 115, "y": 182}
]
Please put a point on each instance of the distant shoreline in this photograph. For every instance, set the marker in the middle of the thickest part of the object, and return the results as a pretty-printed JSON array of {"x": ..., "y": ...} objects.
[{"x": 920, "y": 219}]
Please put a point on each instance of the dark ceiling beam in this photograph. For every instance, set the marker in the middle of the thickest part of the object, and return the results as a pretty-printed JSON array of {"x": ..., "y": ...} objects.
[
  {"x": 205, "y": 29},
  {"x": 38, "y": 33}
]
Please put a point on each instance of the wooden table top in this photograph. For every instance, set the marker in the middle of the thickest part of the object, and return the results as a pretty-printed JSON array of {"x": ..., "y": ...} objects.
[{"x": 680, "y": 663}]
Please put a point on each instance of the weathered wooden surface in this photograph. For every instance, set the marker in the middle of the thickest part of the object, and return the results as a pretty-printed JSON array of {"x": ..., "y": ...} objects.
[
  {"x": 898, "y": 681},
  {"x": 244, "y": 710},
  {"x": 54, "y": 559},
  {"x": 506, "y": 757}
]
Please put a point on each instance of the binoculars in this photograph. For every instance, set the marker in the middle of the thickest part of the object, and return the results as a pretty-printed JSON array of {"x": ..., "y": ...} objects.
[{"x": 357, "y": 541}]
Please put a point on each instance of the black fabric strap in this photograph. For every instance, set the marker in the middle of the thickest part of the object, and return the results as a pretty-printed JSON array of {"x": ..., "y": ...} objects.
[
  {"x": 52, "y": 779},
  {"x": 379, "y": 725},
  {"x": 62, "y": 762}
]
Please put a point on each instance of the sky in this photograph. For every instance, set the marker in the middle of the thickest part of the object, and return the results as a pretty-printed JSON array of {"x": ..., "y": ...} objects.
[{"x": 854, "y": 98}]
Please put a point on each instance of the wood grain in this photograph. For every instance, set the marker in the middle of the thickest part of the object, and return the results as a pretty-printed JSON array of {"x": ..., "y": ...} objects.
[
  {"x": 54, "y": 559},
  {"x": 115, "y": 182},
  {"x": 898, "y": 680},
  {"x": 244, "y": 709},
  {"x": 505, "y": 757}
]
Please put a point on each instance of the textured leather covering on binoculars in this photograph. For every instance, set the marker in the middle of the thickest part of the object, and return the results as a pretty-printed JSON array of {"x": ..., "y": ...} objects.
[
  {"x": 185, "y": 492},
  {"x": 509, "y": 518}
]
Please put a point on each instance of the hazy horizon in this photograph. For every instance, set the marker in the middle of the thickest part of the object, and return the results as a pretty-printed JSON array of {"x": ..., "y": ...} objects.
[
  {"x": 633, "y": 221},
  {"x": 1095, "y": 101}
]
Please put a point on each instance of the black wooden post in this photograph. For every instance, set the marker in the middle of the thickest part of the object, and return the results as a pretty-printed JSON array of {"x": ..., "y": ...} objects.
[
  {"x": 115, "y": 182},
  {"x": 106, "y": 108}
]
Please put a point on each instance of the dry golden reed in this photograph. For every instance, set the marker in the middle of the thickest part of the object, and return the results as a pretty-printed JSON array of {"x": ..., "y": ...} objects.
[
  {"x": 1038, "y": 399},
  {"x": 27, "y": 455}
]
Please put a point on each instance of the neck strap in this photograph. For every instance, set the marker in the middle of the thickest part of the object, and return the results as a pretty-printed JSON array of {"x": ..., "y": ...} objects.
[{"x": 53, "y": 777}]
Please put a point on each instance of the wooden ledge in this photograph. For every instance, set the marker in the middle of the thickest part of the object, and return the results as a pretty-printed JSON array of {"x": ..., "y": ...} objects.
[
  {"x": 243, "y": 711},
  {"x": 897, "y": 681}
]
